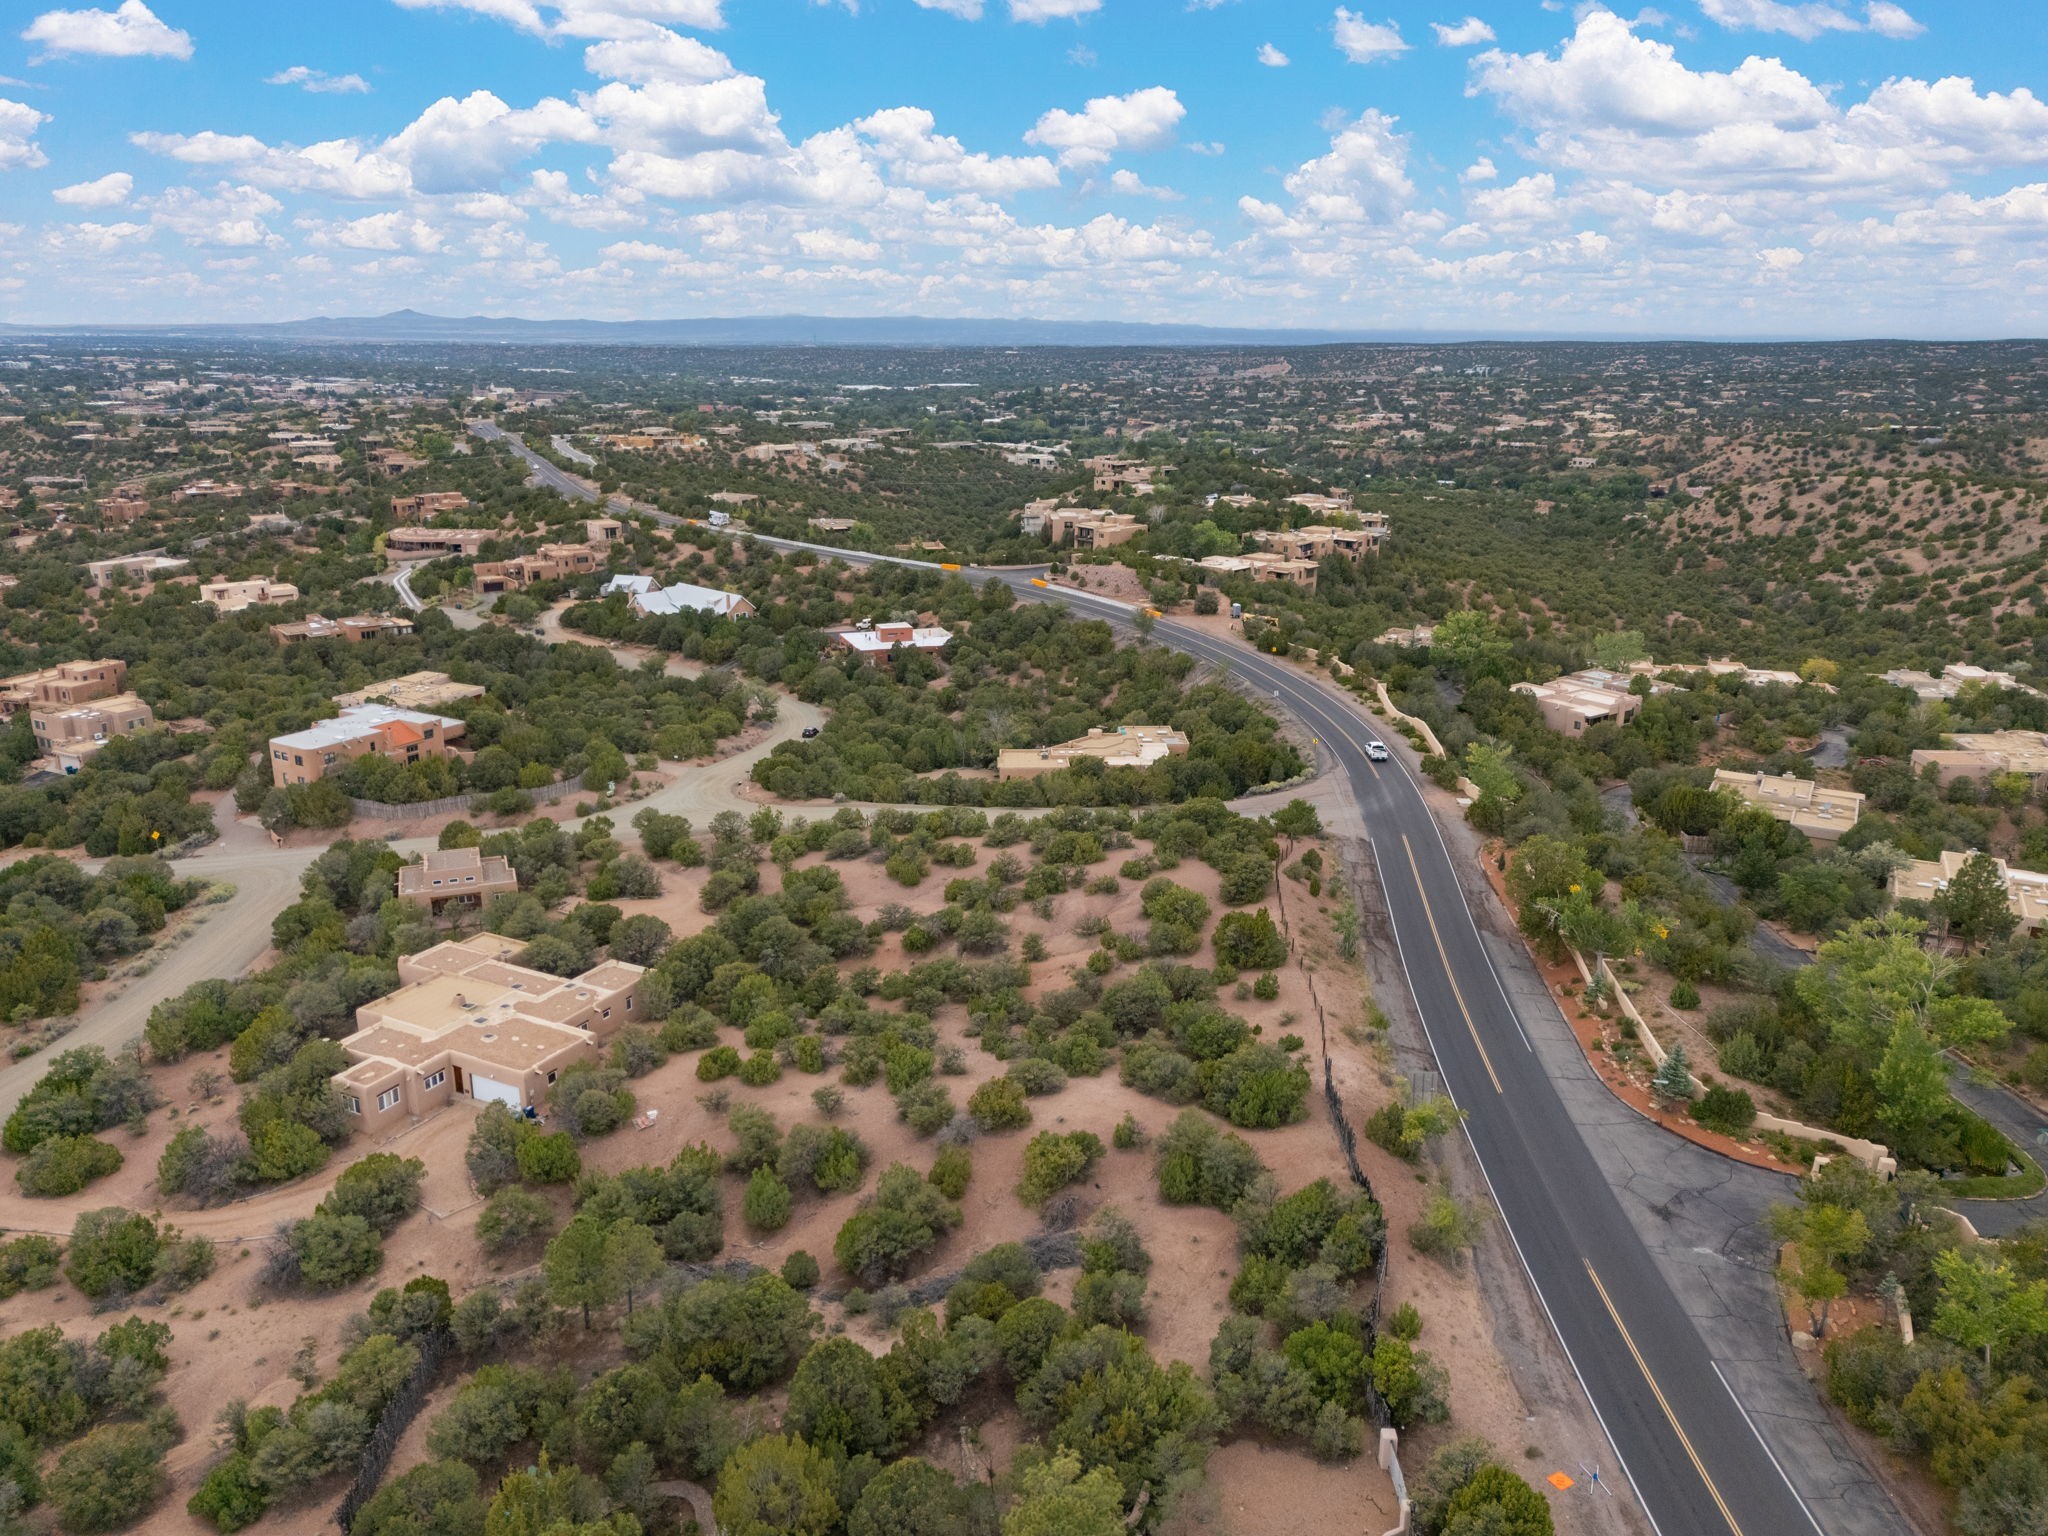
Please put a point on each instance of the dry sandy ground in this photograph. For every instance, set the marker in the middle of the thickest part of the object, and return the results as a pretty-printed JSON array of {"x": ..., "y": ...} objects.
[{"x": 230, "y": 1341}]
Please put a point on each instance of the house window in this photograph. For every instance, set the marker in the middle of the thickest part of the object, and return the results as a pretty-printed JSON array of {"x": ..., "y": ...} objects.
[
  {"x": 437, "y": 1079},
  {"x": 355, "y": 1105},
  {"x": 551, "y": 1077},
  {"x": 629, "y": 1005},
  {"x": 387, "y": 1098},
  {"x": 607, "y": 1013}
]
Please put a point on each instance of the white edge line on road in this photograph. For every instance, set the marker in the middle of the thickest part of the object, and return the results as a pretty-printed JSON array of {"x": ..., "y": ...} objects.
[
  {"x": 1522, "y": 1258},
  {"x": 1543, "y": 1301},
  {"x": 1760, "y": 1440}
]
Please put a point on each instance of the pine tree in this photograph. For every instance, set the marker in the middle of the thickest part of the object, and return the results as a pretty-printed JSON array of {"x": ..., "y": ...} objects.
[
  {"x": 1976, "y": 903},
  {"x": 1674, "y": 1077}
]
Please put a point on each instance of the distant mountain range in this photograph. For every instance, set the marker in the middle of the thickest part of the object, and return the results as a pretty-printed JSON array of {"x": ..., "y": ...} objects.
[{"x": 407, "y": 325}]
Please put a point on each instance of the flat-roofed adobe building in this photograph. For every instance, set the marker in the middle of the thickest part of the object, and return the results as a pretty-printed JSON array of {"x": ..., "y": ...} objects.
[
  {"x": 2026, "y": 891},
  {"x": 417, "y": 509},
  {"x": 1987, "y": 754},
  {"x": 466, "y": 1022},
  {"x": 415, "y": 690},
  {"x": 1580, "y": 700},
  {"x": 426, "y": 543},
  {"x": 553, "y": 562},
  {"x": 62, "y": 686},
  {"x": 1116, "y": 746},
  {"x": 70, "y": 736},
  {"x": 1823, "y": 814},
  {"x": 1092, "y": 528},
  {"x": 403, "y": 735},
  {"x": 234, "y": 596},
  {"x": 455, "y": 877},
  {"x": 1317, "y": 541},
  {"x": 356, "y": 627},
  {"x": 878, "y": 645}
]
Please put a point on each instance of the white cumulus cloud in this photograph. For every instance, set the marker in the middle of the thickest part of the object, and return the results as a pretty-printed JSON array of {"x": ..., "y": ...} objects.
[
  {"x": 1809, "y": 19},
  {"x": 1362, "y": 41},
  {"x": 1131, "y": 184},
  {"x": 966, "y": 10},
  {"x": 469, "y": 145},
  {"x": 131, "y": 32},
  {"x": 1141, "y": 120},
  {"x": 659, "y": 55},
  {"x": 1468, "y": 33},
  {"x": 586, "y": 18},
  {"x": 18, "y": 124},
  {"x": 306, "y": 78},
  {"x": 108, "y": 191},
  {"x": 1041, "y": 11},
  {"x": 918, "y": 156},
  {"x": 1272, "y": 57}
]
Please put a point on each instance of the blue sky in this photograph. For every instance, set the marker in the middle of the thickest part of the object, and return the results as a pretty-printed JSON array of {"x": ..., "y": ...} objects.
[{"x": 1704, "y": 167}]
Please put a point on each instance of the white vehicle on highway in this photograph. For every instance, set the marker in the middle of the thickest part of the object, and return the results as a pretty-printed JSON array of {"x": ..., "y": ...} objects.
[{"x": 1376, "y": 750}]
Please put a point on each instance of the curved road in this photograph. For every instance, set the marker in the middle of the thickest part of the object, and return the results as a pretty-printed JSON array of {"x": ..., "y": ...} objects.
[{"x": 1698, "y": 1463}]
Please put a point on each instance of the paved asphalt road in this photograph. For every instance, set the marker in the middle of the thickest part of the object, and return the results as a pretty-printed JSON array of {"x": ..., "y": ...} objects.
[{"x": 1699, "y": 1465}]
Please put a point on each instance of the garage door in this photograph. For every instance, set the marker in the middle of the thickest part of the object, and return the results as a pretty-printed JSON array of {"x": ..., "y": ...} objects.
[{"x": 490, "y": 1091}]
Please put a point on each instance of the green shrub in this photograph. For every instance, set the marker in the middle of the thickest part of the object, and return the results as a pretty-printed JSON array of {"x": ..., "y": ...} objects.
[
  {"x": 951, "y": 1171},
  {"x": 333, "y": 1251},
  {"x": 1000, "y": 1105},
  {"x": 63, "y": 1165},
  {"x": 113, "y": 1252},
  {"x": 906, "y": 1218},
  {"x": 1266, "y": 988},
  {"x": 382, "y": 1188},
  {"x": 1053, "y": 1160},
  {"x": 231, "y": 1496},
  {"x": 927, "y": 1107},
  {"x": 1445, "y": 1229},
  {"x": 111, "y": 1478},
  {"x": 513, "y": 1218},
  {"x": 438, "y": 1498},
  {"x": 759, "y": 1069},
  {"x": 1200, "y": 1165},
  {"x": 1250, "y": 941},
  {"x": 1684, "y": 994},
  {"x": 1743, "y": 1055},
  {"x": 1497, "y": 1500},
  {"x": 799, "y": 1271},
  {"x": 719, "y": 1061},
  {"x": 549, "y": 1159},
  {"x": 1128, "y": 1135},
  {"x": 1730, "y": 1111},
  {"x": 285, "y": 1149},
  {"x": 767, "y": 1203},
  {"x": 829, "y": 1158},
  {"x": 28, "y": 1263}
]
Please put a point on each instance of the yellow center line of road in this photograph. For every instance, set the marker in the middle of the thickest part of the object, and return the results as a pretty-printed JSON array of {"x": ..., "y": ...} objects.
[
  {"x": 1449, "y": 975},
  {"x": 1662, "y": 1402}
]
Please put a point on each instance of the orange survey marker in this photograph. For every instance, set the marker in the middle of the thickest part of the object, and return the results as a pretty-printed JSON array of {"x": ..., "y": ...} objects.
[{"x": 1561, "y": 1481}]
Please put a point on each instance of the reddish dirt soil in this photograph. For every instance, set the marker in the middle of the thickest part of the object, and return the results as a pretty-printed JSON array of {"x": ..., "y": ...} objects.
[
  {"x": 231, "y": 1340},
  {"x": 1627, "y": 1079}
]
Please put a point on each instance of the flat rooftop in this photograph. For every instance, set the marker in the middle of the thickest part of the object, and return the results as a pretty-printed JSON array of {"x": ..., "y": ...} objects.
[{"x": 357, "y": 721}]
